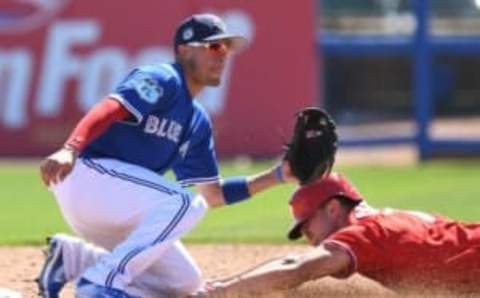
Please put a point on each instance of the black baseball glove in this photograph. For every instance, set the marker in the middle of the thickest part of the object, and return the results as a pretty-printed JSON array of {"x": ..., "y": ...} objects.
[{"x": 311, "y": 151}]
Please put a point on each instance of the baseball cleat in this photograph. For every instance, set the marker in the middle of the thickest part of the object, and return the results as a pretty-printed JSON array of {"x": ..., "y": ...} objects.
[
  {"x": 88, "y": 289},
  {"x": 52, "y": 277}
]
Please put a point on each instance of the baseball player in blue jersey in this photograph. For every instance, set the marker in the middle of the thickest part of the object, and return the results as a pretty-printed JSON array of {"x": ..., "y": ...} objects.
[{"x": 108, "y": 177}]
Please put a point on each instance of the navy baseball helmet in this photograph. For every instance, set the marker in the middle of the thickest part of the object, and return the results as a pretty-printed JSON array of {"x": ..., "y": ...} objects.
[{"x": 204, "y": 28}]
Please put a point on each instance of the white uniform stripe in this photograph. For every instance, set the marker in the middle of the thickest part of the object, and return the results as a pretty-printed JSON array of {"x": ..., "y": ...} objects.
[
  {"x": 191, "y": 181},
  {"x": 128, "y": 106}
]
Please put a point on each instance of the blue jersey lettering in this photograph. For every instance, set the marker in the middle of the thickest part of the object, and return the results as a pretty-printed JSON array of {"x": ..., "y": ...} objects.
[{"x": 169, "y": 129}]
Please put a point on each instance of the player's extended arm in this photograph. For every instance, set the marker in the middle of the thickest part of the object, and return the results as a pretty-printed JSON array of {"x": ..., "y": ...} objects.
[
  {"x": 283, "y": 274},
  {"x": 59, "y": 164},
  {"x": 215, "y": 193}
]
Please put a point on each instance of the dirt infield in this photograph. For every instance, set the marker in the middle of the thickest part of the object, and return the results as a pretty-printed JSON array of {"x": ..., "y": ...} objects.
[{"x": 19, "y": 266}]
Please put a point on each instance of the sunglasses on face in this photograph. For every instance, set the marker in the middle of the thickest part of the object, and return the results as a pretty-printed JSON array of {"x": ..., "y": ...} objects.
[{"x": 214, "y": 47}]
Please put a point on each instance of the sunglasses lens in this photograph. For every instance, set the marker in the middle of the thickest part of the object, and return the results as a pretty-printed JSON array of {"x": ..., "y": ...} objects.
[{"x": 216, "y": 47}]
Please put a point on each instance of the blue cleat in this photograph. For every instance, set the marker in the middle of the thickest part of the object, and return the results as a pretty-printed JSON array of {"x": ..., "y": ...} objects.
[
  {"x": 52, "y": 277},
  {"x": 87, "y": 289}
]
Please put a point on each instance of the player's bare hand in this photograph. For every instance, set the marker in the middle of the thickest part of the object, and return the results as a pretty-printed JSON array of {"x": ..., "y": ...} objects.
[
  {"x": 211, "y": 289},
  {"x": 57, "y": 166},
  {"x": 215, "y": 289}
]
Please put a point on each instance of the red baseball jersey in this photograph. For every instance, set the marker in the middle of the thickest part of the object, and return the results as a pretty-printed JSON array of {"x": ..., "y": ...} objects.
[{"x": 402, "y": 248}]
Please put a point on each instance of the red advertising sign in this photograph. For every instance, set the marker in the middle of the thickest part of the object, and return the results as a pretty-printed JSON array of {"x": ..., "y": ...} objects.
[{"x": 59, "y": 57}]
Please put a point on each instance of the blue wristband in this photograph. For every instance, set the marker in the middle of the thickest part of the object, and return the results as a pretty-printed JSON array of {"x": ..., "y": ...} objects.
[
  {"x": 235, "y": 190},
  {"x": 279, "y": 173}
]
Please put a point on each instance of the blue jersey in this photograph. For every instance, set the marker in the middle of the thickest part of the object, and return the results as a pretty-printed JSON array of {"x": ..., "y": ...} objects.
[{"x": 168, "y": 128}]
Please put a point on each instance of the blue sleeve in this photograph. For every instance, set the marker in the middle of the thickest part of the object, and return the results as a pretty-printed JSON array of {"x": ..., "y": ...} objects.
[
  {"x": 199, "y": 164},
  {"x": 144, "y": 90}
]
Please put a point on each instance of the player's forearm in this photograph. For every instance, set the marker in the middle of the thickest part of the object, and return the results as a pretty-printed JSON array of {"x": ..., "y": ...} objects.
[
  {"x": 236, "y": 189},
  {"x": 262, "y": 181},
  {"x": 286, "y": 273},
  {"x": 281, "y": 274}
]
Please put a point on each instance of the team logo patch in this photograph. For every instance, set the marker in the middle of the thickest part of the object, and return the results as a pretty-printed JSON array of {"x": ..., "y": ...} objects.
[
  {"x": 148, "y": 89},
  {"x": 187, "y": 33}
]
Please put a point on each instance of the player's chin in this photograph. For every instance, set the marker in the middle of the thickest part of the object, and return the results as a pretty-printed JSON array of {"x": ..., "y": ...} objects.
[
  {"x": 315, "y": 241},
  {"x": 214, "y": 81}
]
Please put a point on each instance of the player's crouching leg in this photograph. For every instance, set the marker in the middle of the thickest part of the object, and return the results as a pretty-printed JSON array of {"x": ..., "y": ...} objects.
[
  {"x": 190, "y": 284},
  {"x": 175, "y": 275}
]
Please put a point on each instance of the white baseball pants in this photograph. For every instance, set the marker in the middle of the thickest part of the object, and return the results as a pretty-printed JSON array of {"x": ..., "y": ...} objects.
[{"x": 137, "y": 217}]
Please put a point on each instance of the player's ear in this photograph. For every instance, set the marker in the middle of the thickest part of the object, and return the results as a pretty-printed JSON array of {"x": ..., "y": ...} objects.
[
  {"x": 183, "y": 51},
  {"x": 333, "y": 208}
]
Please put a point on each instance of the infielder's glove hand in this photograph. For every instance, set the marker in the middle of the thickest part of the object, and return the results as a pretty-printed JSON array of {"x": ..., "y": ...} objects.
[{"x": 311, "y": 151}]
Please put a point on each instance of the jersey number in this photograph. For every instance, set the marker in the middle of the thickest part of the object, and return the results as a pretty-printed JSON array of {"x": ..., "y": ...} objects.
[{"x": 148, "y": 90}]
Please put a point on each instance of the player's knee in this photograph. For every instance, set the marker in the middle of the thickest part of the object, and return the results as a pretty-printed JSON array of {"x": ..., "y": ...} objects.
[{"x": 191, "y": 281}]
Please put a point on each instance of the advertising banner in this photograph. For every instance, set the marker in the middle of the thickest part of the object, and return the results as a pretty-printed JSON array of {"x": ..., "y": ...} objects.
[{"x": 60, "y": 57}]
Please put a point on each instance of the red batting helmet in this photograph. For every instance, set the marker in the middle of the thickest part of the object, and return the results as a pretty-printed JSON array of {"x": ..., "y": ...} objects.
[{"x": 306, "y": 199}]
